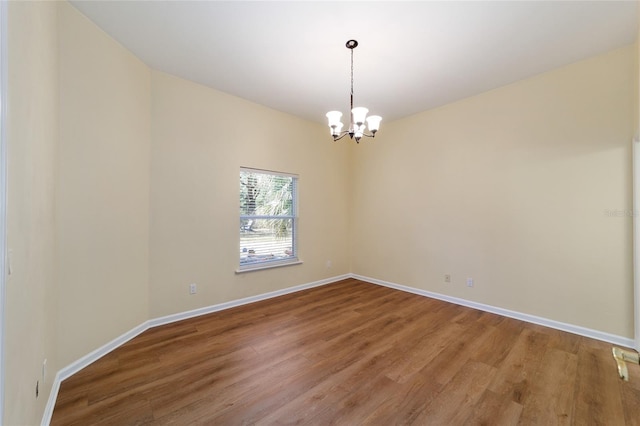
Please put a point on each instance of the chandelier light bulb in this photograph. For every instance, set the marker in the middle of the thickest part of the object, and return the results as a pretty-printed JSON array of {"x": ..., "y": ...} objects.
[
  {"x": 359, "y": 115},
  {"x": 334, "y": 118},
  {"x": 337, "y": 129},
  {"x": 373, "y": 123}
]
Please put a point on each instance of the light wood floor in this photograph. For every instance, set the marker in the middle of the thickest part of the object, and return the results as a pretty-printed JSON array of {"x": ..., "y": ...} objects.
[{"x": 352, "y": 353}]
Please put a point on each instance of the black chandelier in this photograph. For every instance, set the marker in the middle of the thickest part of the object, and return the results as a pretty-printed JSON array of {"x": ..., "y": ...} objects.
[{"x": 358, "y": 115}]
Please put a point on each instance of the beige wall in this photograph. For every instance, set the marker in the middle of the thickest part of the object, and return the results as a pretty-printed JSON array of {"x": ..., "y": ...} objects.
[
  {"x": 201, "y": 138},
  {"x": 511, "y": 188},
  {"x": 103, "y": 188},
  {"x": 32, "y": 133}
]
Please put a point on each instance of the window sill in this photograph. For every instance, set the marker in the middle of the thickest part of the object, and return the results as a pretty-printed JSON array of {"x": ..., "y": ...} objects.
[{"x": 260, "y": 267}]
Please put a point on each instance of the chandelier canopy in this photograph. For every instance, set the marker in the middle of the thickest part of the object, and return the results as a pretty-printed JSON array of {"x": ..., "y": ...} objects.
[{"x": 358, "y": 115}]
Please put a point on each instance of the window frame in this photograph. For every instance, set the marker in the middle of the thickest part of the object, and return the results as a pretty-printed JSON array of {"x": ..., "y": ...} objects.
[{"x": 268, "y": 264}]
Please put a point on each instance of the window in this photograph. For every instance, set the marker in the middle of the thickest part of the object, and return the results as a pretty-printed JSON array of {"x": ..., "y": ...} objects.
[{"x": 268, "y": 219}]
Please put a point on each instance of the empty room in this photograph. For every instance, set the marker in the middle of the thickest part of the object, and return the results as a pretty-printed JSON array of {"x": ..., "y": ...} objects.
[{"x": 236, "y": 212}]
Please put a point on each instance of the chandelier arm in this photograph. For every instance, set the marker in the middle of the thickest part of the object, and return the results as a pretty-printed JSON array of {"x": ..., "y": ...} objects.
[{"x": 342, "y": 135}]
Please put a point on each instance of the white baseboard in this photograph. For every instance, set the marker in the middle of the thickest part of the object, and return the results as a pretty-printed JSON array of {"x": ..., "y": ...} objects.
[
  {"x": 51, "y": 402},
  {"x": 78, "y": 365},
  {"x": 570, "y": 328}
]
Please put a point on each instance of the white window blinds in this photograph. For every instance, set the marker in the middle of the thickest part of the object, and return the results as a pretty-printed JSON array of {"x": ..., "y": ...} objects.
[{"x": 268, "y": 218}]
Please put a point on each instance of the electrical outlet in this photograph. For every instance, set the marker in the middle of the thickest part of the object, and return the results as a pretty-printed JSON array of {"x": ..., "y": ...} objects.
[
  {"x": 447, "y": 278},
  {"x": 469, "y": 282},
  {"x": 44, "y": 371},
  {"x": 329, "y": 264},
  {"x": 193, "y": 288}
]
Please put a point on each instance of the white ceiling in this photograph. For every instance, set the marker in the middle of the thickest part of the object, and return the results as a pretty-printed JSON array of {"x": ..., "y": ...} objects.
[{"x": 291, "y": 56}]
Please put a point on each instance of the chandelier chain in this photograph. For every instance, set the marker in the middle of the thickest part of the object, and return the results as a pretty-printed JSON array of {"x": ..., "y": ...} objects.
[{"x": 351, "y": 78}]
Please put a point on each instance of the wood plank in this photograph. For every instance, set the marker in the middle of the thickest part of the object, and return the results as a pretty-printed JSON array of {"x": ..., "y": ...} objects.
[
  {"x": 457, "y": 400},
  {"x": 457, "y": 353},
  {"x": 516, "y": 373},
  {"x": 405, "y": 401},
  {"x": 499, "y": 343},
  {"x": 493, "y": 409},
  {"x": 601, "y": 404},
  {"x": 551, "y": 396}
]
